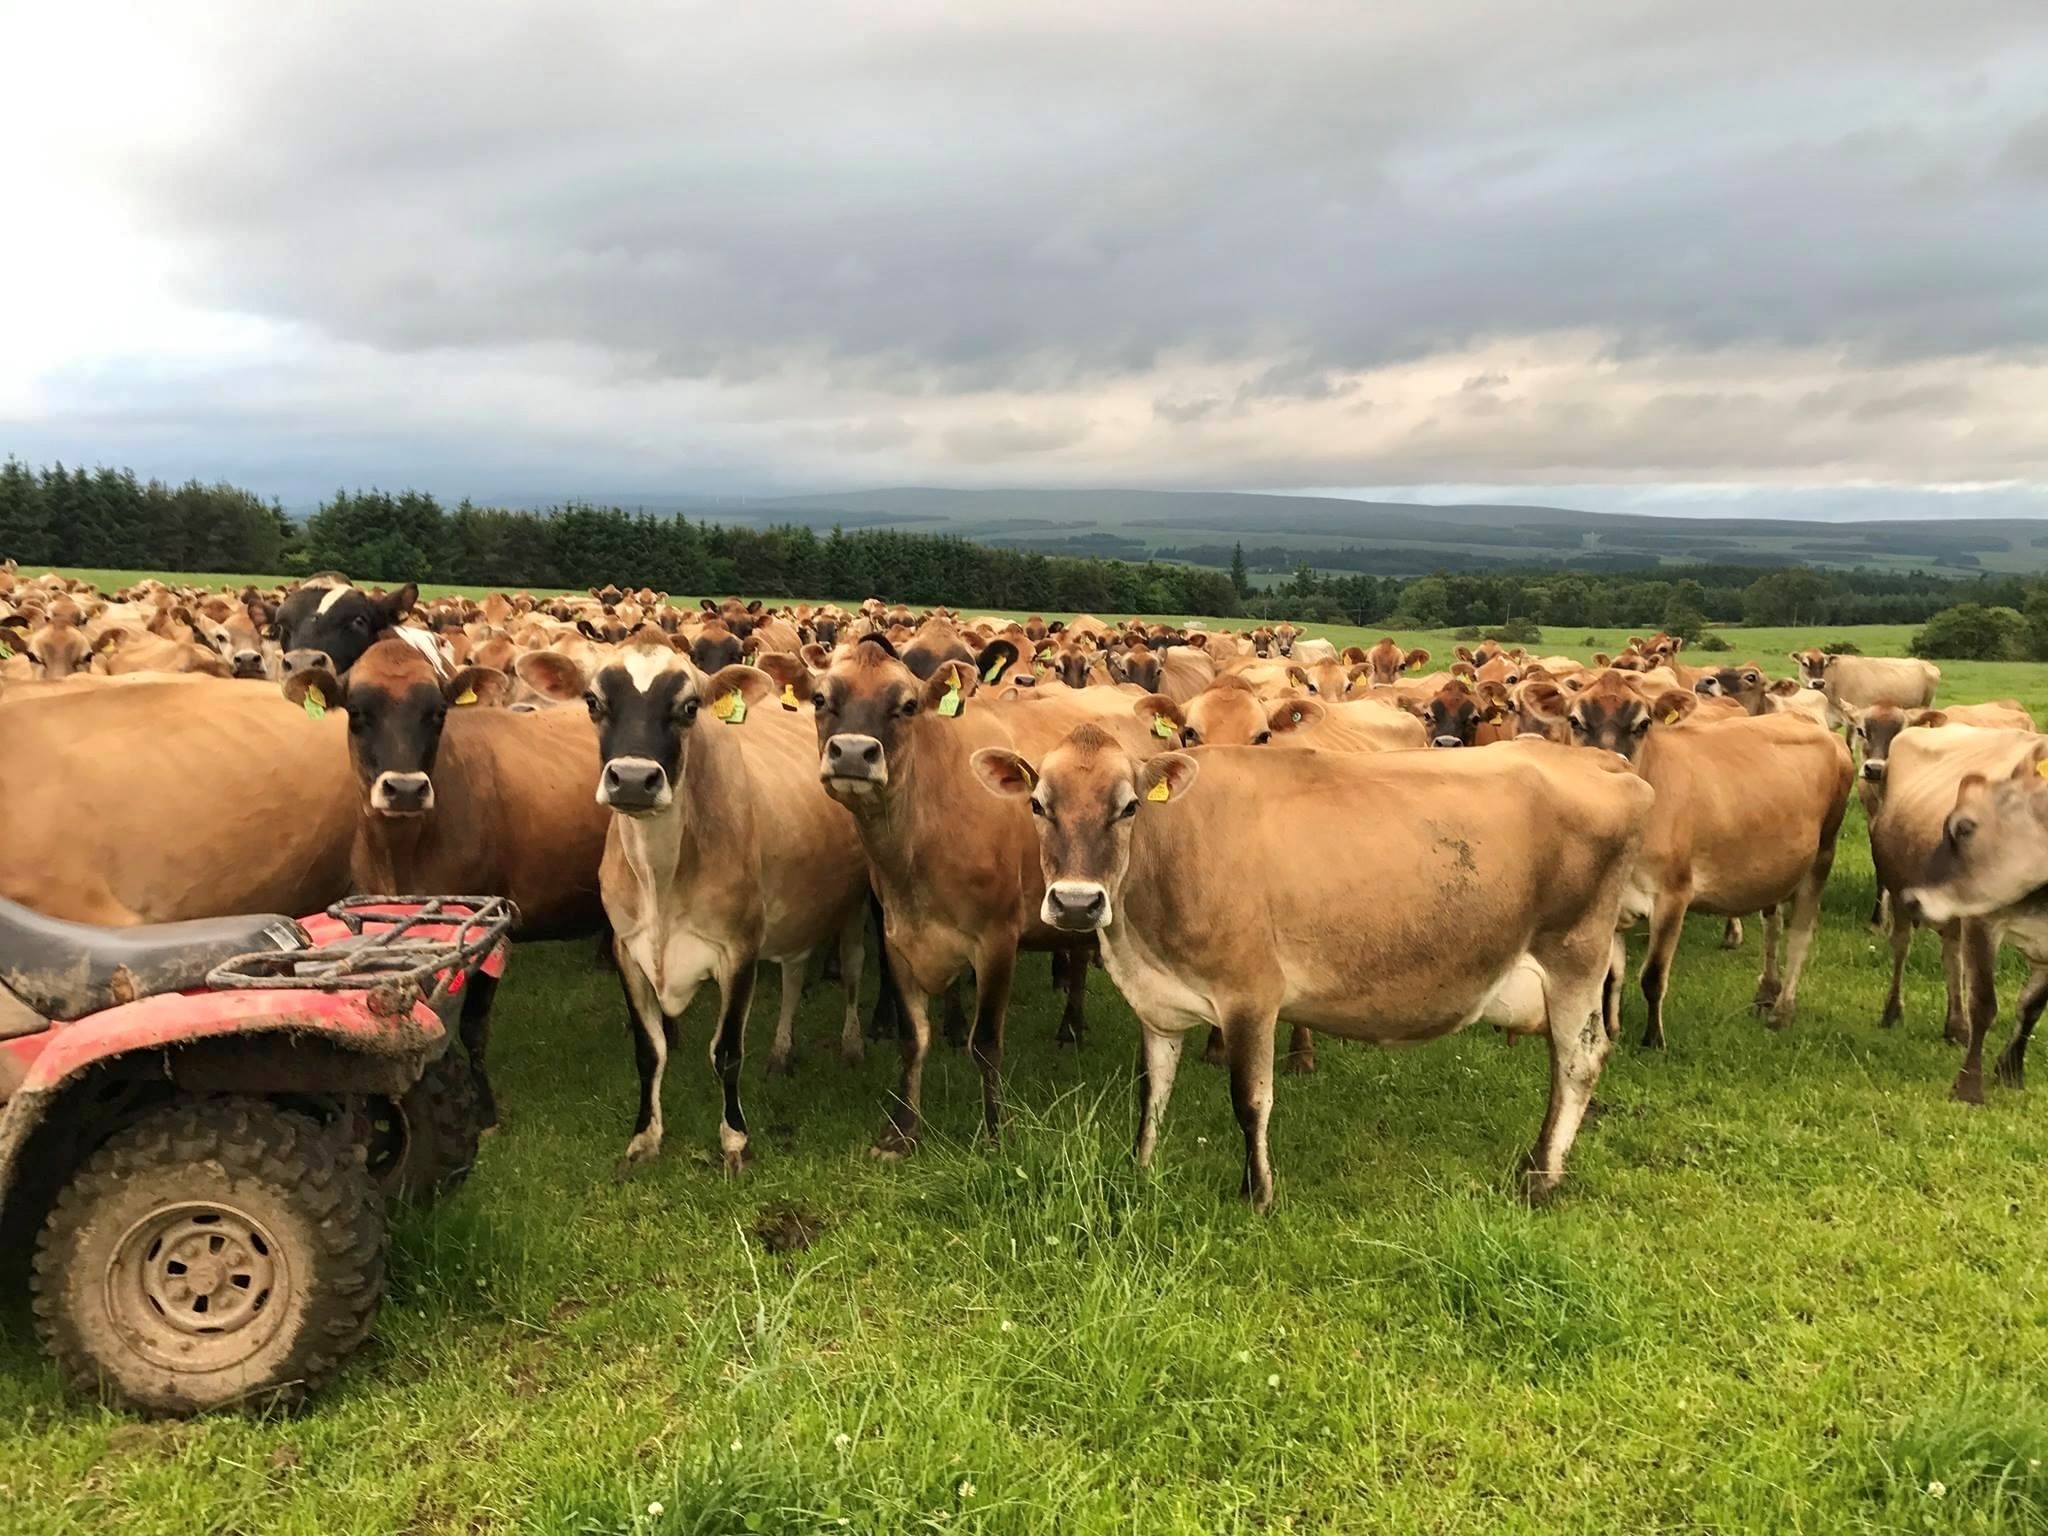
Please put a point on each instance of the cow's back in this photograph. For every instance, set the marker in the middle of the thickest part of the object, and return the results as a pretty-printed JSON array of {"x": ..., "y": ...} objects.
[{"x": 153, "y": 801}]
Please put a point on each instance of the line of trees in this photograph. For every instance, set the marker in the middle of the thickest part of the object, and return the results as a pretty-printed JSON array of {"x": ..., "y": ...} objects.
[{"x": 110, "y": 519}]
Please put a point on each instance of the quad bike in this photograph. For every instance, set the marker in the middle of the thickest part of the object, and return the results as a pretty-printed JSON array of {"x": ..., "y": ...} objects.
[{"x": 201, "y": 1123}]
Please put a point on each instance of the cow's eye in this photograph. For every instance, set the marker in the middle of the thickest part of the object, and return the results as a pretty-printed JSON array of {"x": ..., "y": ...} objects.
[
  {"x": 818, "y": 700},
  {"x": 910, "y": 706},
  {"x": 358, "y": 724},
  {"x": 1130, "y": 809},
  {"x": 1037, "y": 807},
  {"x": 595, "y": 705},
  {"x": 1262, "y": 738},
  {"x": 34, "y": 660},
  {"x": 1580, "y": 725},
  {"x": 1641, "y": 725},
  {"x": 1190, "y": 737},
  {"x": 1962, "y": 829},
  {"x": 690, "y": 708}
]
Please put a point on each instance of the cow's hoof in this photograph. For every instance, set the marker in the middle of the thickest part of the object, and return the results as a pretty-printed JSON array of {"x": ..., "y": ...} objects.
[
  {"x": 1298, "y": 1063},
  {"x": 1956, "y": 1034},
  {"x": 780, "y": 1065},
  {"x": 1969, "y": 1088},
  {"x": 736, "y": 1161},
  {"x": 853, "y": 1052},
  {"x": 892, "y": 1146},
  {"x": 1536, "y": 1187},
  {"x": 1780, "y": 1015},
  {"x": 2011, "y": 1074},
  {"x": 1889, "y": 1019},
  {"x": 1765, "y": 1003},
  {"x": 1653, "y": 1040}
]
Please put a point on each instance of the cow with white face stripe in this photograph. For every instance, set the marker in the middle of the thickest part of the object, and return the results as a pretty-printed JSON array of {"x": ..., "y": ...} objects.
[
  {"x": 722, "y": 851},
  {"x": 332, "y": 623}
]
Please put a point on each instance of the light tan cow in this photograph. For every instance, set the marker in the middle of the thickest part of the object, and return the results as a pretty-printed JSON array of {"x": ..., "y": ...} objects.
[
  {"x": 722, "y": 852},
  {"x": 1484, "y": 888},
  {"x": 1850, "y": 683},
  {"x": 1746, "y": 818}
]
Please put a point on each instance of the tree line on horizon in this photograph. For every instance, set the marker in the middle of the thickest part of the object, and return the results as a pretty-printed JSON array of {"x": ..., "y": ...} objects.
[{"x": 111, "y": 519}]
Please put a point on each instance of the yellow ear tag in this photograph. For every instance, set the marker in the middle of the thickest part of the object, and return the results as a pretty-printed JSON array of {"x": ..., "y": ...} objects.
[
  {"x": 789, "y": 696},
  {"x": 2042, "y": 768},
  {"x": 1671, "y": 717},
  {"x": 315, "y": 703},
  {"x": 467, "y": 696},
  {"x": 1159, "y": 791},
  {"x": 1162, "y": 727},
  {"x": 996, "y": 669},
  {"x": 950, "y": 704},
  {"x": 731, "y": 707}
]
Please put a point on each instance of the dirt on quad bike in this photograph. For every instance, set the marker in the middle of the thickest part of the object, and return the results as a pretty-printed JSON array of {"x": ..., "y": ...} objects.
[{"x": 202, "y": 1124}]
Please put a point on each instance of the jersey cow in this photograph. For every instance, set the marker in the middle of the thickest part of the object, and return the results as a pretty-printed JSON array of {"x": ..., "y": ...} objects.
[
  {"x": 1484, "y": 887},
  {"x": 1850, "y": 683}
]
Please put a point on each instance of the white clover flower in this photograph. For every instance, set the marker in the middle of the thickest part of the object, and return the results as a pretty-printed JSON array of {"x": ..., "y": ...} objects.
[
  {"x": 841, "y": 1440},
  {"x": 1937, "y": 1488},
  {"x": 1273, "y": 1381},
  {"x": 1243, "y": 1357},
  {"x": 1006, "y": 1326},
  {"x": 966, "y": 1488},
  {"x": 654, "y": 1509},
  {"x": 736, "y": 1444}
]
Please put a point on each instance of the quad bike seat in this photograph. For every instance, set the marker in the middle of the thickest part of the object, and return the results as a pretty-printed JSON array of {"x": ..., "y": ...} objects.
[{"x": 67, "y": 970}]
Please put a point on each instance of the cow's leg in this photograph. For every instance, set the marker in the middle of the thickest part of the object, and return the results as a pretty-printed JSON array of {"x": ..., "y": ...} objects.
[
  {"x": 885, "y": 1022},
  {"x": 1301, "y": 1050},
  {"x": 1900, "y": 935},
  {"x": 1158, "y": 1061},
  {"x": 1731, "y": 934},
  {"x": 1070, "y": 973},
  {"x": 652, "y": 1030},
  {"x": 1248, "y": 1041},
  {"x": 1955, "y": 1028},
  {"x": 906, "y": 1122},
  {"x": 1667, "y": 922},
  {"x": 1769, "y": 985},
  {"x": 782, "y": 1053},
  {"x": 1610, "y": 992},
  {"x": 2012, "y": 1065},
  {"x": 1578, "y": 1050},
  {"x": 853, "y": 955},
  {"x": 994, "y": 970},
  {"x": 477, "y": 997},
  {"x": 729, "y": 1048},
  {"x": 1980, "y": 957},
  {"x": 1880, "y": 908},
  {"x": 1212, "y": 1051},
  {"x": 956, "y": 1017},
  {"x": 1799, "y": 931}
]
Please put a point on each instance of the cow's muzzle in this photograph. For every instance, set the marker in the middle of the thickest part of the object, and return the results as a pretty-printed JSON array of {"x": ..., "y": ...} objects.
[
  {"x": 1075, "y": 906},
  {"x": 1818, "y": 684},
  {"x": 634, "y": 786},
  {"x": 1708, "y": 687},
  {"x": 402, "y": 794},
  {"x": 247, "y": 664},
  {"x": 1873, "y": 770},
  {"x": 854, "y": 763},
  {"x": 300, "y": 661},
  {"x": 1447, "y": 741}
]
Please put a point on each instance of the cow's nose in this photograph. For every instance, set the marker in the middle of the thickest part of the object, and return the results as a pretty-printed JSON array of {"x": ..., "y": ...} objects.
[
  {"x": 1076, "y": 904},
  {"x": 855, "y": 759},
  {"x": 300, "y": 661},
  {"x": 633, "y": 784},
  {"x": 1447, "y": 741},
  {"x": 1814, "y": 682},
  {"x": 1707, "y": 686},
  {"x": 1873, "y": 769},
  {"x": 403, "y": 794},
  {"x": 248, "y": 663}
]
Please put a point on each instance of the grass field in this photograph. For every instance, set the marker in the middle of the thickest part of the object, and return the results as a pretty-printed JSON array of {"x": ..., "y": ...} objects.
[{"x": 1790, "y": 1286}]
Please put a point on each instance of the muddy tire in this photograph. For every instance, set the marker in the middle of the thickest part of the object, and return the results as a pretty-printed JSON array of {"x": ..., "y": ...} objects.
[
  {"x": 422, "y": 1146},
  {"x": 217, "y": 1253}
]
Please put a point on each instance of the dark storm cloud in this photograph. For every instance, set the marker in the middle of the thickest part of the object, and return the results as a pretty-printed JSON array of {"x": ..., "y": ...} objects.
[{"x": 930, "y": 200}]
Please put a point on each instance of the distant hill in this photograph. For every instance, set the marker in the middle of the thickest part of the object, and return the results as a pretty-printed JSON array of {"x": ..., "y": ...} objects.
[{"x": 1396, "y": 538}]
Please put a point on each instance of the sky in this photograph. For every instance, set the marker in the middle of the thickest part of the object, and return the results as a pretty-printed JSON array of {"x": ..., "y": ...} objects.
[{"x": 1647, "y": 255}]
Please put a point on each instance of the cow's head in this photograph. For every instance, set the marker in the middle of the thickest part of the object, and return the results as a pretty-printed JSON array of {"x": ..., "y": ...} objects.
[
  {"x": 1875, "y": 729},
  {"x": 1813, "y": 667},
  {"x": 1085, "y": 802},
  {"x": 1137, "y": 663},
  {"x": 1386, "y": 662},
  {"x": 1230, "y": 713},
  {"x": 1993, "y": 851},
  {"x": 1612, "y": 716},
  {"x": 717, "y": 646},
  {"x": 1744, "y": 684},
  {"x": 871, "y": 710},
  {"x": 57, "y": 650},
  {"x": 648, "y": 702},
  {"x": 1452, "y": 716},
  {"x": 397, "y": 705},
  {"x": 332, "y": 626}
]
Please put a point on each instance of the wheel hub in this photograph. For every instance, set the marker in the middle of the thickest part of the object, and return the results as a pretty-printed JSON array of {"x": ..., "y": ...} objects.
[{"x": 197, "y": 1285}]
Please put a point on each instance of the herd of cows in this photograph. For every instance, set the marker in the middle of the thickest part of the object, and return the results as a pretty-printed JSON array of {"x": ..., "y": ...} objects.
[{"x": 1239, "y": 827}]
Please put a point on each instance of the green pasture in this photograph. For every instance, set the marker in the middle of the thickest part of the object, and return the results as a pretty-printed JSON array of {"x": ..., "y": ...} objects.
[{"x": 1789, "y": 1286}]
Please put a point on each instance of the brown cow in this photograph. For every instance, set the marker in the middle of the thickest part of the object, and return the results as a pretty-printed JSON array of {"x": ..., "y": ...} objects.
[
  {"x": 956, "y": 874},
  {"x": 1208, "y": 913},
  {"x": 1746, "y": 818}
]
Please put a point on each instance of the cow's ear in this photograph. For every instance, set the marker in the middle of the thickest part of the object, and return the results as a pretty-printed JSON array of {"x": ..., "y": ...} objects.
[
  {"x": 2033, "y": 768},
  {"x": 1602, "y": 659},
  {"x": 315, "y": 690},
  {"x": 1353, "y": 655},
  {"x": 1415, "y": 660},
  {"x": 1056, "y": 626},
  {"x": 1198, "y": 640},
  {"x": 551, "y": 675},
  {"x": 1167, "y": 777},
  {"x": 1785, "y": 687},
  {"x": 707, "y": 605},
  {"x": 816, "y": 657},
  {"x": 1493, "y": 697},
  {"x": 1543, "y": 700},
  {"x": 1003, "y": 773},
  {"x": 995, "y": 660},
  {"x": 1294, "y": 715},
  {"x": 396, "y": 605},
  {"x": 754, "y": 606},
  {"x": 1297, "y": 677},
  {"x": 1931, "y": 719},
  {"x": 794, "y": 683},
  {"x": 486, "y": 687},
  {"x": 588, "y": 630},
  {"x": 1673, "y": 705},
  {"x": 950, "y": 687},
  {"x": 751, "y": 684},
  {"x": 1161, "y": 716},
  {"x": 1463, "y": 653}
]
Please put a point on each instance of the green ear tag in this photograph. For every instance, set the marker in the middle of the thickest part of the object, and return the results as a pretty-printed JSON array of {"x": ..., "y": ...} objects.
[
  {"x": 731, "y": 707},
  {"x": 996, "y": 669},
  {"x": 950, "y": 704},
  {"x": 6, "y": 650},
  {"x": 315, "y": 703},
  {"x": 1162, "y": 728}
]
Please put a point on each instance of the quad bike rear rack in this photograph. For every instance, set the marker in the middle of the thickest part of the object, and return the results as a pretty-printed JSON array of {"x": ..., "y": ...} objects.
[{"x": 398, "y": 948}]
